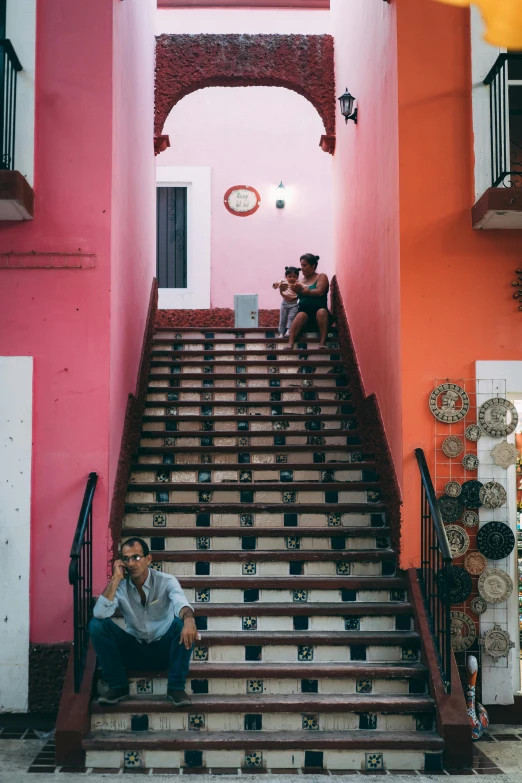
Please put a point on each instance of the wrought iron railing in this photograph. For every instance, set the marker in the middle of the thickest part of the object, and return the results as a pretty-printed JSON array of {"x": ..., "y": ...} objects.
[
  {"x": 505, "y": 104},
  {"x": 9, "y": 67},
  {"x": 80, "y": 577},
  {"x": 436, "y": 572}
]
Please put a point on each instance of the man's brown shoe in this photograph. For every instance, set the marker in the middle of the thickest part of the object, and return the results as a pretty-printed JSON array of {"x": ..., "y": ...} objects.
[
  {"x": 179, "y": 698},
  {"x": 114, "y": 695}
]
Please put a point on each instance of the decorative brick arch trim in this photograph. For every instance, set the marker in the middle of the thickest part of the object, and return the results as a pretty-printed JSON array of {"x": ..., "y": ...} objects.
[{"x": 302, "y": 63}]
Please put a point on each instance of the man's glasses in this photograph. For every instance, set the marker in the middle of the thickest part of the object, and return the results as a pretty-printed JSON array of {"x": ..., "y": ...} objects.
[{"x": 133, "y": 559}]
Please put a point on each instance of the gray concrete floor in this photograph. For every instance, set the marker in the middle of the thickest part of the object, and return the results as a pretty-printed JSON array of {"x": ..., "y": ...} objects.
[{"x": 503, "y": 748}]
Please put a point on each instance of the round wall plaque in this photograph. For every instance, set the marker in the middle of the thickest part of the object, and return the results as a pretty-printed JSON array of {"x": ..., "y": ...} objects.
[
  {"x": 242, "y": 200},
  {"x": 498, "y": 417},
  {"x": 470, "y": 461},
  {"x": 452, "y": 446},
  {"x": 453, "y": 489},
  {"x": 449, "y": 402},
  {"x": 495, "y": 540},
  {"x": 475, "y": 563},
  {"x": 493, "y": 495},
  {"x": 470, "y": 495},
  {"x": 494, "y": 585},
  {"x": 505, "y": 454},
  {"x": 450, "y": 508},
  {"x": 458, "y": 540},
  {"x": 473, "y": 432},
  {"x": 461, "y": 585},
  {"x": 470, "y": 518},
  {"x": 496, "y": 643},
  {"x": 463, "y": 632},
  {"x": 478, "y": 605}
]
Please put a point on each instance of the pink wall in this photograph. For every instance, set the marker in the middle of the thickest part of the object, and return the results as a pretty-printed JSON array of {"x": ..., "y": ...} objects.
[
  {"x": 259, "y": 136},
  {"x": 366, "y": 227},
  {"x": 61, "y": 317},
  {"x": 242, "y": 20},
  {"x": 133, "y": 246}
]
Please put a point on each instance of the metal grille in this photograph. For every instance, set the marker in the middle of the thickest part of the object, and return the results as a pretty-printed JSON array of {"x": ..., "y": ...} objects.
[
  {"x": 171, "y": 237},
  {"x": 505, "y": 104},
  {"x": 9, "y": 67}
]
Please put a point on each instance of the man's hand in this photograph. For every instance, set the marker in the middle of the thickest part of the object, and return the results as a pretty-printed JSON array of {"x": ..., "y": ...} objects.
[
  {"x": 118, "y": 570},
  {"x": 190, "y": 634}
]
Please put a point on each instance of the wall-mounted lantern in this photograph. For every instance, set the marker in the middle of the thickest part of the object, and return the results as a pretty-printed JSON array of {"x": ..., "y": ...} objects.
[
  {"x": 346, "y": 102},
  {"x": 280, "y": 196}
]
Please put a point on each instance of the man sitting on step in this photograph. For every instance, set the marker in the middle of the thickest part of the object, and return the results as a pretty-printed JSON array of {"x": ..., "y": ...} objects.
[{"x": 160, "y": 625}]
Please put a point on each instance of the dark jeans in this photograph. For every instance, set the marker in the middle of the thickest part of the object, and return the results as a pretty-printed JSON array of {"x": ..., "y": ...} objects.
[{"x": 118, "y": 650}]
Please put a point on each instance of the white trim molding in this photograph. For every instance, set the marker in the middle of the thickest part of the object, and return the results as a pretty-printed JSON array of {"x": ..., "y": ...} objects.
[
  {"x": 21, "y": 31},
  {"x": 196, "y": 296},
  {"x": 16, "y": 402},
  {"x": 501, "y": 680}
]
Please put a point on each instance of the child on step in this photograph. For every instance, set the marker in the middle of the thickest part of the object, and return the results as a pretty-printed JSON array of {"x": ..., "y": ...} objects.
[{"x": 289, "y": 305}]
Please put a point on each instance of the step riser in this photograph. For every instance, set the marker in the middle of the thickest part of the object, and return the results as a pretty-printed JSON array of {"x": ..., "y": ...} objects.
[
  {"x": 294, "y": 759},
  {"x": 297, "y": 383},
  {"x": 208, "y": 396},
  {"x": 293, "y": 425},
  {"x": 260, "y": 569},
  {"x": 223, "y": 721},
  {"x": 337, "y": 460},
  {"x": 167, "y": 475},
  {"x": 230, "y": 496},
  {"x": 239, "y": 687},
  {"x": 254, "y": 520},
  {"x": 315, "y": 623},
  {"x": 205, "y": 541},
  {"x": 301, "y": 411},
  {"x": 242, "y": 442}
]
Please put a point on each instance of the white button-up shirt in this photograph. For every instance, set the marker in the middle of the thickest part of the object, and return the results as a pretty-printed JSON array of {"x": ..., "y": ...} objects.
[{"x": 164, "y": 601}]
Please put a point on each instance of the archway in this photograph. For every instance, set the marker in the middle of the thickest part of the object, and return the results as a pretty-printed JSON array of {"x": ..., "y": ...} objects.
[{"x": 302, "y": 63}]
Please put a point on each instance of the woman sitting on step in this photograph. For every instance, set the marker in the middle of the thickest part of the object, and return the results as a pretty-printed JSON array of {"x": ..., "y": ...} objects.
[{"x": 312, "y": 294}]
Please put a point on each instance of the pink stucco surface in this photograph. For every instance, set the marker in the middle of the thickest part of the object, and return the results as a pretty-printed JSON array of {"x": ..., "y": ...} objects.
[
  {"x": 62, "y": 317},
  {"x": 366, "y": 200},
  {"x": 263, "y": 21},
  {"x": 259, "y": 136}
]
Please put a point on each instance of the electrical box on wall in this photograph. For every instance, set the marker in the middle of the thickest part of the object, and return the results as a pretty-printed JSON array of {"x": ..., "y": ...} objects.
[{"x": 245, "y": 310}]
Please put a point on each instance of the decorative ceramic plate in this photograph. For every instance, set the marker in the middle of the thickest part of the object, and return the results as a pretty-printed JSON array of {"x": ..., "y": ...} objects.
[
  {"x": 453, "y": 489},
  {"x": 475, "y": 563},
  {"x": 494, "y": 585},
  {"x": 495, "y": 540},
  {"x": 450, "y": 508},
  {"x": 470, "y": 461},
  {"x": 444, "y": 401},
  {"x": 498, "y": 417},
  {"x": 463, "y": 632},
  {"x": 458, "y": 540},
  {"x": 493, "y": 495},
  {"x": 470, "y": 495},
  {"x": 496, "y": 643},
  {"x": 470, "y": 519},
  {"x": 505, "y": 454},
  {"x": 452, "y": 446},
  {"x": 473, "y": 432},
  {"x": 461, "y": 585},
  {"x": 478, "y": 605}
]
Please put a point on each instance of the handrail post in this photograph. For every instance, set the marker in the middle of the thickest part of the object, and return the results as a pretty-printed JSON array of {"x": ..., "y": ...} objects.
[
  {"x": 80, "y": 577},
  {"x": 436, "y": 572}
]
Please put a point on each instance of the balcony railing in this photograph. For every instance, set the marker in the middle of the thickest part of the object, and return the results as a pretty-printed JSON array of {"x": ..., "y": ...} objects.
[
  {"x": 505, "y": 101},
  {"x": 9, "y": 67}
]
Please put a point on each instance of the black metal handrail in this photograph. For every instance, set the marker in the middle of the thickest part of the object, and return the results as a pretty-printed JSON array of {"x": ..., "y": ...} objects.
[
  {"x": 506, "y": 165},
  {"x": 10, "y": 65},
  {"x": 436, "y": 571},
  {"x": 80, "y": 577}
]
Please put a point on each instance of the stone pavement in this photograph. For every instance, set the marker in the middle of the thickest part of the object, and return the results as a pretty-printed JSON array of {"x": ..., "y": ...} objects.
[{"x": 498, "y": 758}]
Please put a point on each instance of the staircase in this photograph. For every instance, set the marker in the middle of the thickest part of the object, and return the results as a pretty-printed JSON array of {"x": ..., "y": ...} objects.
[{"x": 254, "y": 488}]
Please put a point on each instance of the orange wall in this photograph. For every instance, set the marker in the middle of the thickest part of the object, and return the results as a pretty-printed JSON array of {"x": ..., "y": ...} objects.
[
  {"x": 366, "y": 234},
  {"x": 456, "y": 295}
]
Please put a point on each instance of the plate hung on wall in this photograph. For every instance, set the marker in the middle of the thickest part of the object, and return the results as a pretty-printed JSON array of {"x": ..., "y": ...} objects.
[
  {"x": 473, "y": 432},
  {"x": 478, "y": 605},
  {"x": 470, "y": 518},
  {"x": 463, "y": 631},
  {"x": 496, "y": 643},
  {"x": 458, "y": 540},
  {"x": 449, "y": 403},
  {"x": 475, "y": 563},
  {"x": 495, "y": 585},
  {"x": 450, "y": 508},
  {"x": 495, "y": 540},
  {"x": 470, "y": 495},
  {"x": 452, "y": 446},
  {"x": 470, "y": 462},
  {"x": 505, "y": 454},
  {"x": 498, "y": 417},
  {"x": 453, "y": 489},
  {"x": 493, "y": 495},
  {"x": 461, "y": 589}
]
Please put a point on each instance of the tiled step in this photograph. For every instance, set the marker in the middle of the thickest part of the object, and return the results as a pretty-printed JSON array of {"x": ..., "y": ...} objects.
[
  {"x": 235, "y": 417},
  {"x": 220, "y": 394},
  {"x": 252, "y": 509},
  {"x": 238, "y": 332},
  {"x": 291, "y": 359},
  {"x": 222, "y": 407},
  {"x": 258, "y": 494},
  {"x": 333, "y": 532},
  {"x": 286, "y": 378},
  {"x": 263, "y": 454},
  {"x": 316, "y": 469},
  {"x": 338, "y": 751},
  {"x": 189, "y": 341},
  {"x": 388, "y": 608},
  {"x": 217, "y": 353}
]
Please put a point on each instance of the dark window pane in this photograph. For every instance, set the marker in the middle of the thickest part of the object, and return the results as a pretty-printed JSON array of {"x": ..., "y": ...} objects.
[{"x": 171, "y": 237}]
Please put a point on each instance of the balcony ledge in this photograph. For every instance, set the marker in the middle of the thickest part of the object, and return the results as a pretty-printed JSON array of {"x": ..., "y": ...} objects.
[
  {"x": 498, "y": 208},
  {"x": 16, "y": 197}
]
